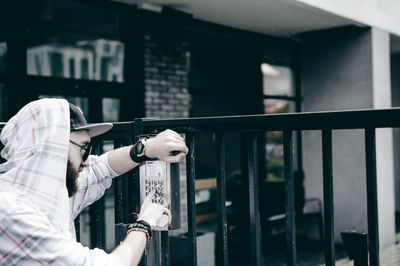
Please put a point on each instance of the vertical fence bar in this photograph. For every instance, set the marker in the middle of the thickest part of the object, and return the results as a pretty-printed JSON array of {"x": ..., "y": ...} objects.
[
  {"x": 222, "y": 245},
  {"x": 255, "y": 235},
  {"x": 372, "y": 197},
  {"x": 96, "y": 212},
  {"x": 97, "y": 224},
  {"x": 137, "y": 131},
  {"x": 165, "y": 258},
  {"x": 289, "y": 198},
  {"x": 153, "y": 250},
  {"x": 132, "y": 199},
  {"x": 191, "y": 203},
  {"x": 124, "y": 186},
  {"x": 118, "y": 206},
  {"x": 328, "y": 197}
]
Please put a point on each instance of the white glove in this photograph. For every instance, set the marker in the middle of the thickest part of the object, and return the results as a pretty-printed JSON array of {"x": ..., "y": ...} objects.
[{"x": 167, "y": 146}]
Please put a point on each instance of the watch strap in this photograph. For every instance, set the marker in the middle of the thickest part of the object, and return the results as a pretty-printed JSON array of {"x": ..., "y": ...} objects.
[{"x": 139, "y": 159}]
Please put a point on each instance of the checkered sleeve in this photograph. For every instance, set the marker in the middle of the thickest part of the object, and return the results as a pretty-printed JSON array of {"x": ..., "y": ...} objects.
[
  {"x": 28, "y": 238},
  {"x": 92, "y": 183}
]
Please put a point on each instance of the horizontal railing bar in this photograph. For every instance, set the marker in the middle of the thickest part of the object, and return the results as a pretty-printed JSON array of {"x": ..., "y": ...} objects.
[
  {"x": 280, "y": 97},
  {"x": 355, "y": 119}
]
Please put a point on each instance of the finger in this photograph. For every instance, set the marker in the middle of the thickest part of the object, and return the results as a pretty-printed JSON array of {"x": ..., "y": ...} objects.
[
  {"x": 167, "y": 212},
  {"x": 178, "y": 146},
  {"x": 182, "y": 146},
  {"x": 176, "y": 158},
  {"x": 165, "y": 202},
  {"x": 174, "y": 133},
  {"x": 186, "y": 150},
  {"x": 178, "y": 136},
  {"x": 175, "y": 138},
  {"x": 183, "y": 156},
  {"x": 170, "y": 131},
  {"x": 149, "y": 197}
]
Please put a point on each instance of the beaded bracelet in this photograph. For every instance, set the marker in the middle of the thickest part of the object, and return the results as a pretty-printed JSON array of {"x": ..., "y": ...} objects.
[
  {"x": 141, "y": 226},
  {"x": 145, "y": 224},
  {"x": 137, "y": 229}
]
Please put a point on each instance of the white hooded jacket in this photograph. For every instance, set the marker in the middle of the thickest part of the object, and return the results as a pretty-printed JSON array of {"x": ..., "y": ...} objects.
[{"x": 36, "y": 214}]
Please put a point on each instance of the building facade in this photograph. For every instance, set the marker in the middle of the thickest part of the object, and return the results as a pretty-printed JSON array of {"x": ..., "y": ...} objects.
[{"x": 120, "y": 60}]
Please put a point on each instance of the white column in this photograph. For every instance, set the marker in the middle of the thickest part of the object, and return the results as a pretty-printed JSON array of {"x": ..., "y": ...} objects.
[{"x": 384, "y": 137}]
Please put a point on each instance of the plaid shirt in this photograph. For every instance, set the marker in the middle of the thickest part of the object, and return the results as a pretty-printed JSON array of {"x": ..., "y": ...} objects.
[{"x": 36, "y": 215}]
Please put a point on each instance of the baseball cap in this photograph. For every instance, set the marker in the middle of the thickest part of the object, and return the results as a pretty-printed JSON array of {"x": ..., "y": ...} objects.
[{"x": 78, "y": 122}]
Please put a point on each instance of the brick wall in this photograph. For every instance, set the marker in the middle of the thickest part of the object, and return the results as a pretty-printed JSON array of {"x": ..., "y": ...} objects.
[
  {"x": 166, "y": 67},
  {"x": 166, "y": 78}
]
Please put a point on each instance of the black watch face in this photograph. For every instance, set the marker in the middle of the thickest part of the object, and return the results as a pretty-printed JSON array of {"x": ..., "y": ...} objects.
[{"x": 139, "y": 148}]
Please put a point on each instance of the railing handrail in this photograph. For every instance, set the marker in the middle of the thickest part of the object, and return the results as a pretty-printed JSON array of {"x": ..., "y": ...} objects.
[
  {"x": 344, "y": 119},
  {"x": 347, "y": 119}
]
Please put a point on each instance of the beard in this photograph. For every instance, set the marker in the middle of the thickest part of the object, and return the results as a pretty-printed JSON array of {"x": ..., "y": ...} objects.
[{"x": 72, "y": 179}]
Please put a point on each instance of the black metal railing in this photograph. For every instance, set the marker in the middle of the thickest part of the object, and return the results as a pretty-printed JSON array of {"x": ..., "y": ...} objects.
[
  {"x": 126, "y": 194},
  {"x": 368, "y": 120}
]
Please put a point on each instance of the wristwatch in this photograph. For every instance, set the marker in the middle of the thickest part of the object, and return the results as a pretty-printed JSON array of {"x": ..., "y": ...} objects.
[
  {"x": 137, "y": 152},
  {"x": 140, "y": 147}
]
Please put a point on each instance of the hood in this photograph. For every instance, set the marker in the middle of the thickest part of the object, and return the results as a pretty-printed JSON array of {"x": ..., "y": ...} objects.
[{"x": 36, "y": 142}]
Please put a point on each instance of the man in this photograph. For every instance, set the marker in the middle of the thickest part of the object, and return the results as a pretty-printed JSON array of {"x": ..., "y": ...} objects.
[{"x": 49, "y": 177}]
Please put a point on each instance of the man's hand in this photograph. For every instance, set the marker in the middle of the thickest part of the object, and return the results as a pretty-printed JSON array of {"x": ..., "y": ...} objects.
[
  {"x": 167, "y": 146},
  {"x": 152, "y": 212}
]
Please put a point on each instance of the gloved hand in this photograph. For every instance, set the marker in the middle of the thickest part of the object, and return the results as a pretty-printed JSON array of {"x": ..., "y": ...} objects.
[
  {"x": 151, "y": 212},
  {"x": 167, "y": 146}
]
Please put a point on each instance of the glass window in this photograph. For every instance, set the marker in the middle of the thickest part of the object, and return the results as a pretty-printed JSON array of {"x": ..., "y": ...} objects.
[
  {"x": 111, "y": 109},
  {"x": 71, "y": 39},
  {"x": 3, "y": 58},
  {"x": 277, "y": 80},
  {"x": 275, "y": 106},
  {"x": 3, "y": 103},
  {"x": 81, "y": 102},
  {"x": 274, "y": 140}
]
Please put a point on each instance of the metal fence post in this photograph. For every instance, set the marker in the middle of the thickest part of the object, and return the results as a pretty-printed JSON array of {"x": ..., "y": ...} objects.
[
  {"x": 289, "y": 198},
  {"x": 328, "y": 197},
  {"x": 191, "y": 203},
  {"x": 372, "y": 197},
  {"x": 222, "y": 244},
  {"x": 255, "y": 231}
]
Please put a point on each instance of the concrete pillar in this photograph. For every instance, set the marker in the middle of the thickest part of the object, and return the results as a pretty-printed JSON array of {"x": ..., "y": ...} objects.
[
  {"x": 395, "y": 84},
  {"x": 344, "y": 69},
  {"x": 384, "y": 137}
]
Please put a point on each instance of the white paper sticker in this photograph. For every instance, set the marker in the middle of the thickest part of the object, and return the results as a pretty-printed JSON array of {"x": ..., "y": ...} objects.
[{"x": 154, "y": 168}]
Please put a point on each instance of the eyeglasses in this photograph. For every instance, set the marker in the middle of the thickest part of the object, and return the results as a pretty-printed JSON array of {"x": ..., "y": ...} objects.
[{"x": 87, "y": 148}]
